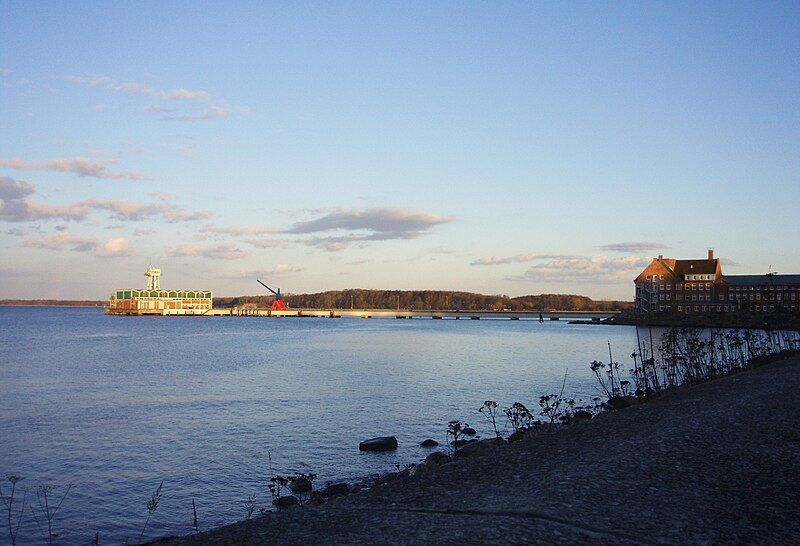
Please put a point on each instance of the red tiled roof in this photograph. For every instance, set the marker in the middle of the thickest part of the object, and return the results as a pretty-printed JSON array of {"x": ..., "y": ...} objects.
[{"x": 695, "y": 267}]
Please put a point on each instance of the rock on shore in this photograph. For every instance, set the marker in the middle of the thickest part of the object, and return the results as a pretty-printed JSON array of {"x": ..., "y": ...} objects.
[{"x": 382, "y": 443}]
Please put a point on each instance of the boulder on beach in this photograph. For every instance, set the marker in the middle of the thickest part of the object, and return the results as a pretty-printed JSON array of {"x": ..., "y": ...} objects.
[
  {"x": 437, "y": 458},
  {"x": 474, "y": 447},
  {"x": 462, "y": 442},
  {"x": 620, "y": 402},
  {"x": 429, "y": 443},
  {"x": 516, "y": 436},
  {"x": 316, "y": 498},
  {"x": 382, "y": 443},
  {"x": 336, "y": 489},
  {"x": 300, "y": 485},
  {"x": 286, "y": 502},
  {"x": 469, "y": 431},
  {"x": 582, "y": 415}
]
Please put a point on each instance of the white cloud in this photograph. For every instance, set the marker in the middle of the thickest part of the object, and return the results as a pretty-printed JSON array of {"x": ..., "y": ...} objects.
[
  {"x": 189, "y": 94},
  {"x": 214, "y": 107},
  {"x": 238, "y": 230},
  {"x": 64, "y": 240},
  {"x": 116, "y": 247},
  {"x": 371, "y": 224},
  {"x": 224, "y": 251},
  {"x": 163, "y": 196},
  {"x": 519, "y": 258},
  {"x": 267, "y": 243},
  {"x": 15, "y": 208},
  {"x": 175, "y": 214},
  {"x": 392, "y": 221},
  {"x": 135, "y": 88},
  {"x": 14, "y": 189},
  {"x": 24, "y": 210},
  {"x": 78, "y": 165},
  {"x": 215, "y": 112},
  {"x": 634, "y": 247},
  {"x": 581, "y": 269},
  {"x": 284, "y": 268}
]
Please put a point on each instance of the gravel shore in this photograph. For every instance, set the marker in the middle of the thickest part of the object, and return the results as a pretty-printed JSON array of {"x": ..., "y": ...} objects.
[{"x": 718, "y": 463}]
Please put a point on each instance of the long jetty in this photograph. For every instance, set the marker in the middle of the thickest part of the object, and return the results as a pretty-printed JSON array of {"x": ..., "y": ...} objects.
[{"x": 457, "y": 314}]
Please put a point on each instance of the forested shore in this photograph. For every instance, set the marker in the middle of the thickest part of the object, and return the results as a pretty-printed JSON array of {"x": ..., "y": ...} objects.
[{"x": 430, "y": 299}]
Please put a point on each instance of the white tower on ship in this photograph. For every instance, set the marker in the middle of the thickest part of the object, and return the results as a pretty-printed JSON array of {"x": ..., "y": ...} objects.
[{"x": 153, "y": 275}]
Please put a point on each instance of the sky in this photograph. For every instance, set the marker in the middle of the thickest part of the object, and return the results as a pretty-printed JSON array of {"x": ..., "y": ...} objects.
[{"x": 503, "y": 148}]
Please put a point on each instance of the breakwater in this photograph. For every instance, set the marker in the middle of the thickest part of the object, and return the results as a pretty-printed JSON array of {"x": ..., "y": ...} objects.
[{"x": 455, "y": 314}]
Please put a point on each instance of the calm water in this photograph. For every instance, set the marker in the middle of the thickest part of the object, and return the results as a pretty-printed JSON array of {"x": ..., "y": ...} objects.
[{"x": 114, "y": 405}]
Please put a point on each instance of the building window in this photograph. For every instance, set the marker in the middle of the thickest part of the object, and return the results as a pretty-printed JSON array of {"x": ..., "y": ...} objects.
[{"x": 680, "y": 308}]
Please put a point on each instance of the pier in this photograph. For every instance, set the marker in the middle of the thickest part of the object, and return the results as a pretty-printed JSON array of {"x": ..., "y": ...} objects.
[{"x": 409, "y": 314}]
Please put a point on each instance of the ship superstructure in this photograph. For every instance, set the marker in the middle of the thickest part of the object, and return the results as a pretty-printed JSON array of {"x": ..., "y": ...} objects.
[{"x": 155, "y": 301}]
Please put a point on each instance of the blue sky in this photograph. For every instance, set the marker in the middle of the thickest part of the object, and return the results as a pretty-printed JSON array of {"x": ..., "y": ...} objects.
[{"x": 508, "y": 148}]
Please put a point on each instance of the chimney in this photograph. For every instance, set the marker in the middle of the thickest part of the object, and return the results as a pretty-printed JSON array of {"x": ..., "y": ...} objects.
[
  {"x": 710, "y": 253},
  {"x": 660, "y": 256}
]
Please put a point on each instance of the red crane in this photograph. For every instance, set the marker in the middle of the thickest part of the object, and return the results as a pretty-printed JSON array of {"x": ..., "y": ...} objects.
[{"x": 278, "y": 304}]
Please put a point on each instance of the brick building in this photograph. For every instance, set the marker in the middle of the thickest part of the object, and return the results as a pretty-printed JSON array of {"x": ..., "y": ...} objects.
[{"x": 675, "y": 286}]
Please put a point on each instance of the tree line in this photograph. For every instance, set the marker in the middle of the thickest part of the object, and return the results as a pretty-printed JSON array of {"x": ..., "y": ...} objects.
[{"x": 424, "y": 300}]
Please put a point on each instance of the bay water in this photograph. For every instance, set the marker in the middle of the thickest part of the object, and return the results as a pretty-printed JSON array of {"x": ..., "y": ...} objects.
[{"x": 215, "y": 406}]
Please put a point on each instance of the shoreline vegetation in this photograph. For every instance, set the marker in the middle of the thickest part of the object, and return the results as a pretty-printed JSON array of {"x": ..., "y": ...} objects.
[{"x": 675, "y": 362}]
